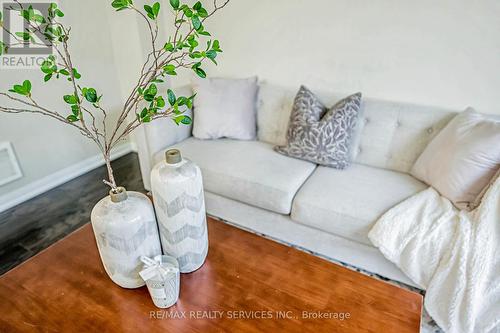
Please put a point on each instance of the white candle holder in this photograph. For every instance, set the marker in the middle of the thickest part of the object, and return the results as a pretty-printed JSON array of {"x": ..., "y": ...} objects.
[{"x": 162, "y": 278}]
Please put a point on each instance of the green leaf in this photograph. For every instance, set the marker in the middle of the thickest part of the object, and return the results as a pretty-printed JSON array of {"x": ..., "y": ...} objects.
[
  {"x": 202, "y": 31},
  {"x": 187, "y": 120},
  {"x": 196, "y": 22},
  {"x": 189, "y": 102},
  {"x": 153, "y": 90},
  {"x": 216, "y": 46},
  {"x": 169, "y": 69},
  {"x": 144, "y": 117},
  {"x": 183, "y": 119},
  {"x": 54, "y": 11},
  {"x": 169, "y": 47},
  {"x": 193, "y": 43},
  {"x": 182, "y": 101},
  {"x": 160, "y": 102},
  {"x": 211, "y": 54},
  {"x": 39, "y": 18},
  {"x": 25, "y": 14},
  {"x": 200, "y": 72},
  {"x": 3, "y": 46},
  {"x": 76, "y": 74},
  {"x": 52, "y": 7},
  {"x": 72, "y": 118},
  {"x": 171, "y": 97},
  {"x": 47, "y": 77},
  {"x": 156, "y": 9},
  {"x": 149, "y": 98},
  {"x": 197, "y": 6},
  {"x": 121, "y": 4},
  {"x": 75, "y": 109},
  {"x": 48, "y": 67},
  {"x": 174, "y": 4},
  {"x": 70, "y": 99},
  {"x": 149, "y": 11},
  {"x": 196, "y": 55},
  {"x": 202, "y": 12},
  {"x": 24, "y": 35},
  {"x": 24, "y": 89},
  {"x": 188, "y": 12},
  {"x": 27, "y": 86},
  {"x": 64, "y": 72},
  {"x": 90, "y": 95},
  {"x": 17, "y": 89},
  {"x": 150, "y": 93},
  {"x": 117, "y": 4}
]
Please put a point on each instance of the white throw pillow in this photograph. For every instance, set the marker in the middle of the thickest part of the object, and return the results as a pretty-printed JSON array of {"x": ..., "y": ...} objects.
[
  {"x": 225, "y": 108},
  {"x": 461, "y": 160}
]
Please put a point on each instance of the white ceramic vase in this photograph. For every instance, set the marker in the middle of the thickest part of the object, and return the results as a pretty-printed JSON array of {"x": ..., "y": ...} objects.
[
  {"x": 179, "y": 201},
  {"x": 125, "y": 229}
]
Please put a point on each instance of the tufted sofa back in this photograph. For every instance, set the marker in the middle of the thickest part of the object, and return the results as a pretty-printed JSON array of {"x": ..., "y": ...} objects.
[{"x": 391, "y": 136}]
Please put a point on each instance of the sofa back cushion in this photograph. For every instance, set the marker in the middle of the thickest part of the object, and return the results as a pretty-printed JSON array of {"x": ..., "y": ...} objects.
[
  {"x": 225, "y": 108},
  {"x": 391, "y": 136},
  {"x": 469, "y": 156}
]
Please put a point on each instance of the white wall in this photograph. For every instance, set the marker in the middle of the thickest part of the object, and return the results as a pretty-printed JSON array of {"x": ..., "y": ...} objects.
[
  {"x": 105, "y": 49},
  {"x": 444, "y": 53}
]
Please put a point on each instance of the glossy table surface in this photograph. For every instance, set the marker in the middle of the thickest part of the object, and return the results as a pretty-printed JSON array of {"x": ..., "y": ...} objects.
[{"x": 247, "y": 284}]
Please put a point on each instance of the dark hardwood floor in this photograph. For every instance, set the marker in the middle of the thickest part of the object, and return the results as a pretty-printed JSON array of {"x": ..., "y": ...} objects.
[{"x": 34, "y": 225}]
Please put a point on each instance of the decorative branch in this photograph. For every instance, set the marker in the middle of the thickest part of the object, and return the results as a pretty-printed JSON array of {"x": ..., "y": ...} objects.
[{"x": 181, "y": 50}]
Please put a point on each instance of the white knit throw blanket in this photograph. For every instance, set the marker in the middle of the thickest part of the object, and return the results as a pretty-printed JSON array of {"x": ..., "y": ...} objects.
[{"x": 454, "y": 255}]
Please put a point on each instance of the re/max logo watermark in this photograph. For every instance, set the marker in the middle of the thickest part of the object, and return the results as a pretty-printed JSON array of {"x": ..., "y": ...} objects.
[{"x": 23, "y": 52}]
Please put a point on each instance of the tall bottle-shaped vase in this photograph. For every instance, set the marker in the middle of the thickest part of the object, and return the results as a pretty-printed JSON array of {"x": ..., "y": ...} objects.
[{"x": 179, "y": 201}]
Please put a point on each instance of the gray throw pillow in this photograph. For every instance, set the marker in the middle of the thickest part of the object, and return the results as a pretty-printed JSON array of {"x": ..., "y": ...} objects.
[{"x": 321, "y": 135}]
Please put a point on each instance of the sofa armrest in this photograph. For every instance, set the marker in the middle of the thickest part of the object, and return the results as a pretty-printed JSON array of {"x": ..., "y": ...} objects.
[{"x": 158, "y": 135}]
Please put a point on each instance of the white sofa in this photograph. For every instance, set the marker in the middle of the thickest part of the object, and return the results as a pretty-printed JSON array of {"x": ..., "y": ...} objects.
[{"x": 326, "y": 211}]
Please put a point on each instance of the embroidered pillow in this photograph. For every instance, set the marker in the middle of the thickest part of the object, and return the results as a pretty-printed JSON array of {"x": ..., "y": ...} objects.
[{"x": 321, "y": 135}]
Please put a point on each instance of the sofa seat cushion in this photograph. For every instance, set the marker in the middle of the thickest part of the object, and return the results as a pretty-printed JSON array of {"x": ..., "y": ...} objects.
[
  {"x": 247, "y": 171},
  {"x": 348, "y": 202}
]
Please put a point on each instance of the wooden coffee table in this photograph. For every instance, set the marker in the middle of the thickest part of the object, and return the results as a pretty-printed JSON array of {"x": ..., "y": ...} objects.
[{"x": 248, "y": 284}]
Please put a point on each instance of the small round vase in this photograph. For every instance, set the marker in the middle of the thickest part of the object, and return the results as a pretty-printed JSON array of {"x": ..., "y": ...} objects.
[{"x": 125, "y": 229}]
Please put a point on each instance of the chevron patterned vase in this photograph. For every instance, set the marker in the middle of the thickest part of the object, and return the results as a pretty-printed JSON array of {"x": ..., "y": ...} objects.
[
  {"x": 125, "y": 229},
  {"x": 180, "y": 208}
]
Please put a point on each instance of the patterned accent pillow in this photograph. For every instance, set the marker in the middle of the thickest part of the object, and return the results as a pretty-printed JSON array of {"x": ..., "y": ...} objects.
[{"x": 321, "y": 135}]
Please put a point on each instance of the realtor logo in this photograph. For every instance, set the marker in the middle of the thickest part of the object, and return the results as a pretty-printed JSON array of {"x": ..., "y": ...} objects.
[{"x": 24, "y": 43}]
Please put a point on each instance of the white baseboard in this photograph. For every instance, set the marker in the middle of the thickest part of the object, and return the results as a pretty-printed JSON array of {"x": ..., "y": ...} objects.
[
  {"x": 133, "y": 146},
  {"x": 60, "y": 177}
]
